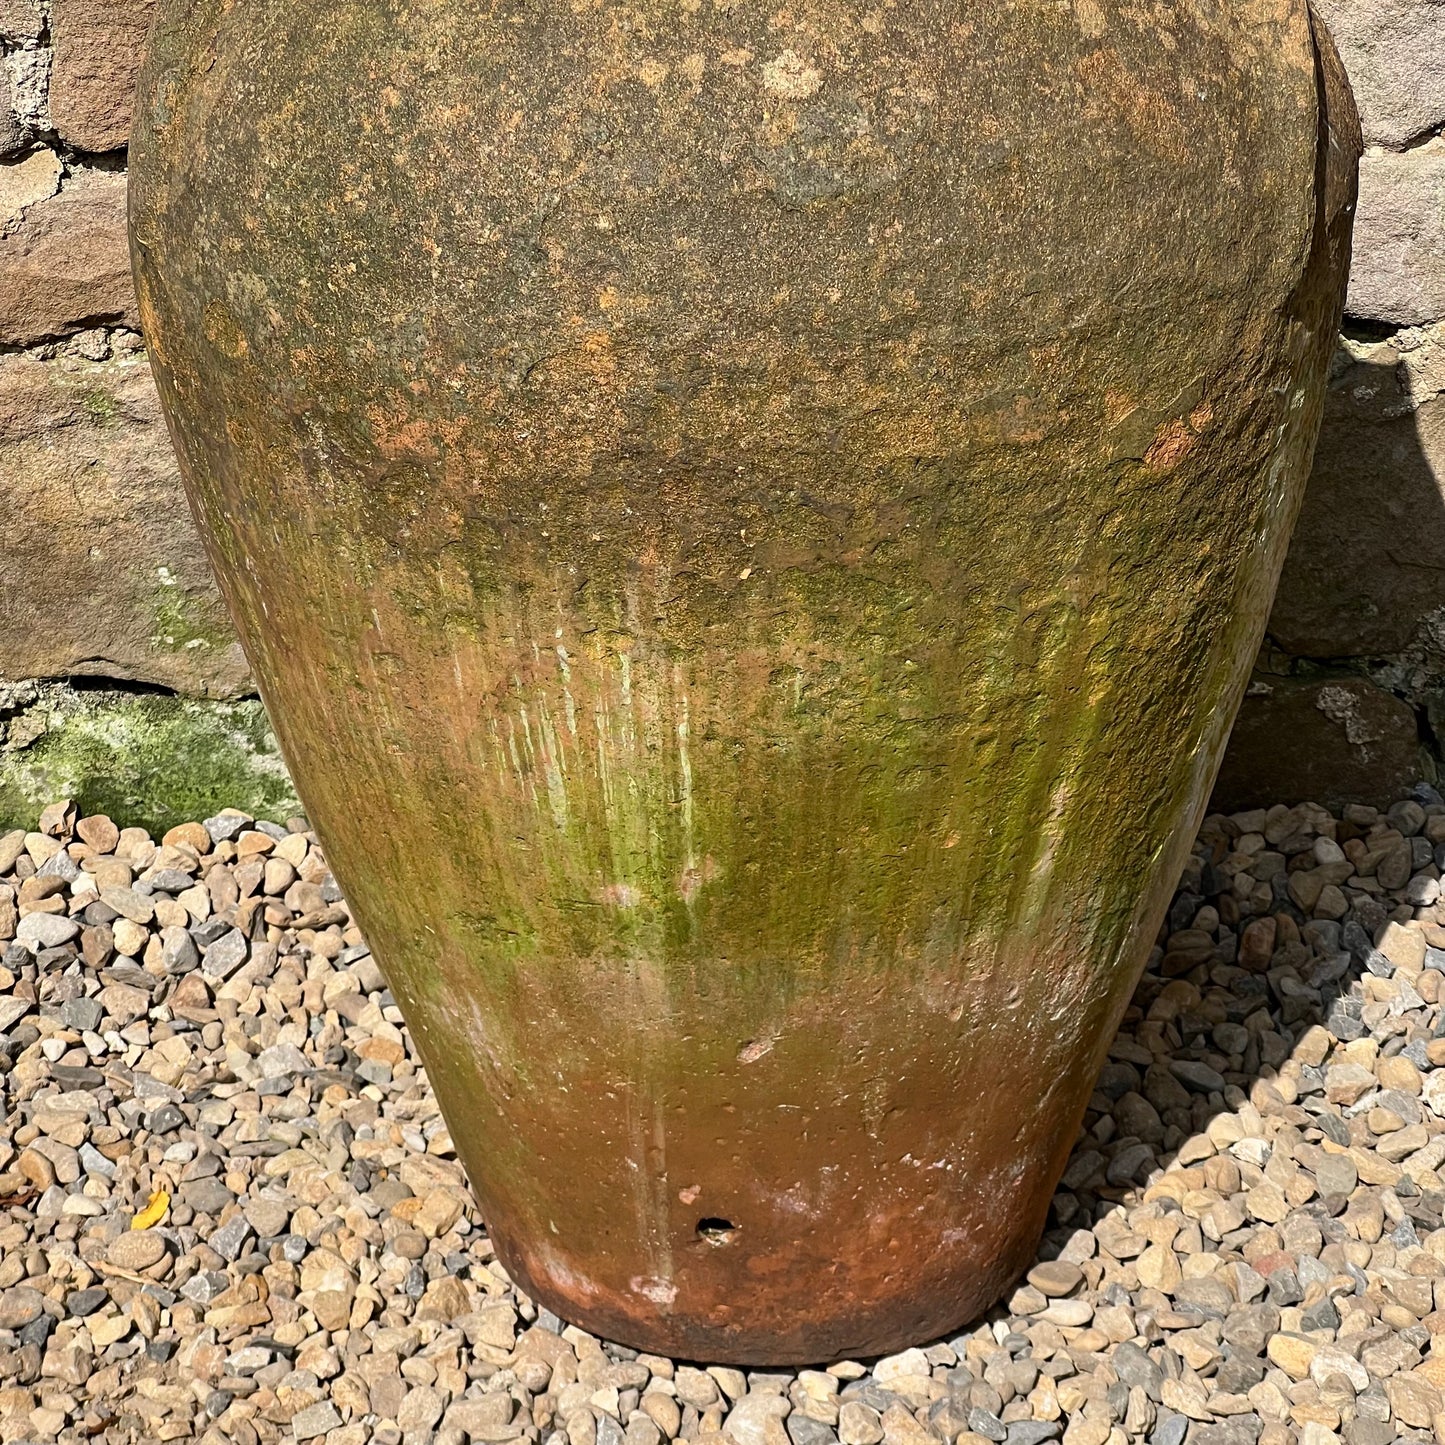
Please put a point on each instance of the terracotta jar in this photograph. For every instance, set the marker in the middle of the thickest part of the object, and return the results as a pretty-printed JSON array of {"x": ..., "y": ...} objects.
[{"x": 751, "y": 524}]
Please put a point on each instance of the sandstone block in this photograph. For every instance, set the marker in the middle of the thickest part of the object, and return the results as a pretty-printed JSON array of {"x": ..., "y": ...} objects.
[
  {"x": 12, "y": 132},
  {"x": 1335, "y": 741},
  {"x": 66, "y": 267},
  {"x": 98, "y": 45},
  {"x": 1398, "y": 273},
  {"x": 102, "y": 572},
  {"x": 20, "y": 20},
  {"x": 1394, "y": 51}
]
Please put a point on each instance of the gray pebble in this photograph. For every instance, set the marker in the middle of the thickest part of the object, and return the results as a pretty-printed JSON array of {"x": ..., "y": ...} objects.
[
  {"x": 82, "y": 1014},
  {"x": 229, "y": 1240},
  {"x": 204, "y": 1287},
  {"x": 165, "y": 1120},
  {"x": 802, "y": 1430},
  {"x": 314, "y": 1420},
  {"x": 983, "y": 1422},
  {"x": 1033, "y": 1432},
  {"x": 224, "y": 827},
  {"x": 1169, "y": 1429},
  {"x": 94, "y": 1162},
  {"x": 170, "y": 880},
  {"x": 206, "y": 1196},
  {"x": 60, "y": 865},
  {"x": 1197, "y": 1076},
  {"x": 83, "y": 1302},
  {"x": 46, "y": 930},
  {"x": 223, "y": 957}
]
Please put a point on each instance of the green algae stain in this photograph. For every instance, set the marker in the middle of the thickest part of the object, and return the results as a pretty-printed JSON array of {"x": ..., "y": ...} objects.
[
  {"x": 184, "y": 621},
  {"x": 148, "y": 760},
  {"x": 101, "y": 407}
]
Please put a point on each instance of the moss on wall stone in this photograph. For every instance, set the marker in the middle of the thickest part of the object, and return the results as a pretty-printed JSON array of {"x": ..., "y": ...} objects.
[
  {"x": 147, "y": 759},
  {"x": 89, "y": 494}
]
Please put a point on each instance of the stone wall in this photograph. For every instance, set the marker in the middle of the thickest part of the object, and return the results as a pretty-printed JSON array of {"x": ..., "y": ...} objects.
[
  {"x": 107, "y": 609},
  {"x": 120, "y": 678}
]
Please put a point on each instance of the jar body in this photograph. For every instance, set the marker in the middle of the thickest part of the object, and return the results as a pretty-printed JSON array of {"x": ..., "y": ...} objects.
[{"x": 751, "y": 530}]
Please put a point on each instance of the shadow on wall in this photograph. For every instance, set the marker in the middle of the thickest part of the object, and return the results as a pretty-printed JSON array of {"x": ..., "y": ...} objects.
[{"x": 1347, "y": 703}]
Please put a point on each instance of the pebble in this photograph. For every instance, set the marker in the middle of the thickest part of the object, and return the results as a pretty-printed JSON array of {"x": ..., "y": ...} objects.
[
  {"x": 757, "y": 1419},
  {"x": 137, "y": 1249},
  {"x": 1056, "y": 1277},
  {"x": 315, "y": 1420},
  {"x": 859, "y": 1424},
  {"x": 38, "y": 931},
  {"x": 1247, "y": 1248},
  {"x": 83, "y": 1302},
  {"x": 20, "y": 1305},
  {"x": 224, "y": 956}
]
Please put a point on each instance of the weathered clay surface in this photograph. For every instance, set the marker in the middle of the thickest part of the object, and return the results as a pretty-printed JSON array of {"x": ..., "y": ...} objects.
[
  {"x": 65, "y": 267},
  {"x": 1400, "y": 237},
  {"x": 98, "y": 45},
  {"x": 1394, "y": 51},
  {"x": 101, "y": 572},
  {"x": 1351, "y": 742},
  {"x": 783, "y": 507}
]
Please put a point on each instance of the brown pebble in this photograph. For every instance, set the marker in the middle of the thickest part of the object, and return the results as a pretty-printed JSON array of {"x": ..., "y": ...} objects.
[
  {"x": 97, "y": 943},
  {"x": 1056, "y": 1277},
  {"x": 98, "y": 833},
  {"x": 58, "y": 820},
  {"x": 137, "y": 1249},
  {"x": 189, "y": 835}
]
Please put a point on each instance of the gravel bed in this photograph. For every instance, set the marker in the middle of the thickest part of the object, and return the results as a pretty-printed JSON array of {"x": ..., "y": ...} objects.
[{"x": 1246, "y": 1248}]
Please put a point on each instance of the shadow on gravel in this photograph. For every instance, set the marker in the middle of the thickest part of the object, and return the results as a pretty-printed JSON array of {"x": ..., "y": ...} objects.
[{"x": 1256, "y": 1135}]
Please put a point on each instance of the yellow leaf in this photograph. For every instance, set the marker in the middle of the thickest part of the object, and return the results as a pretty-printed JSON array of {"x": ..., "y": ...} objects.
[{"x": 154, "y": 1212}]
